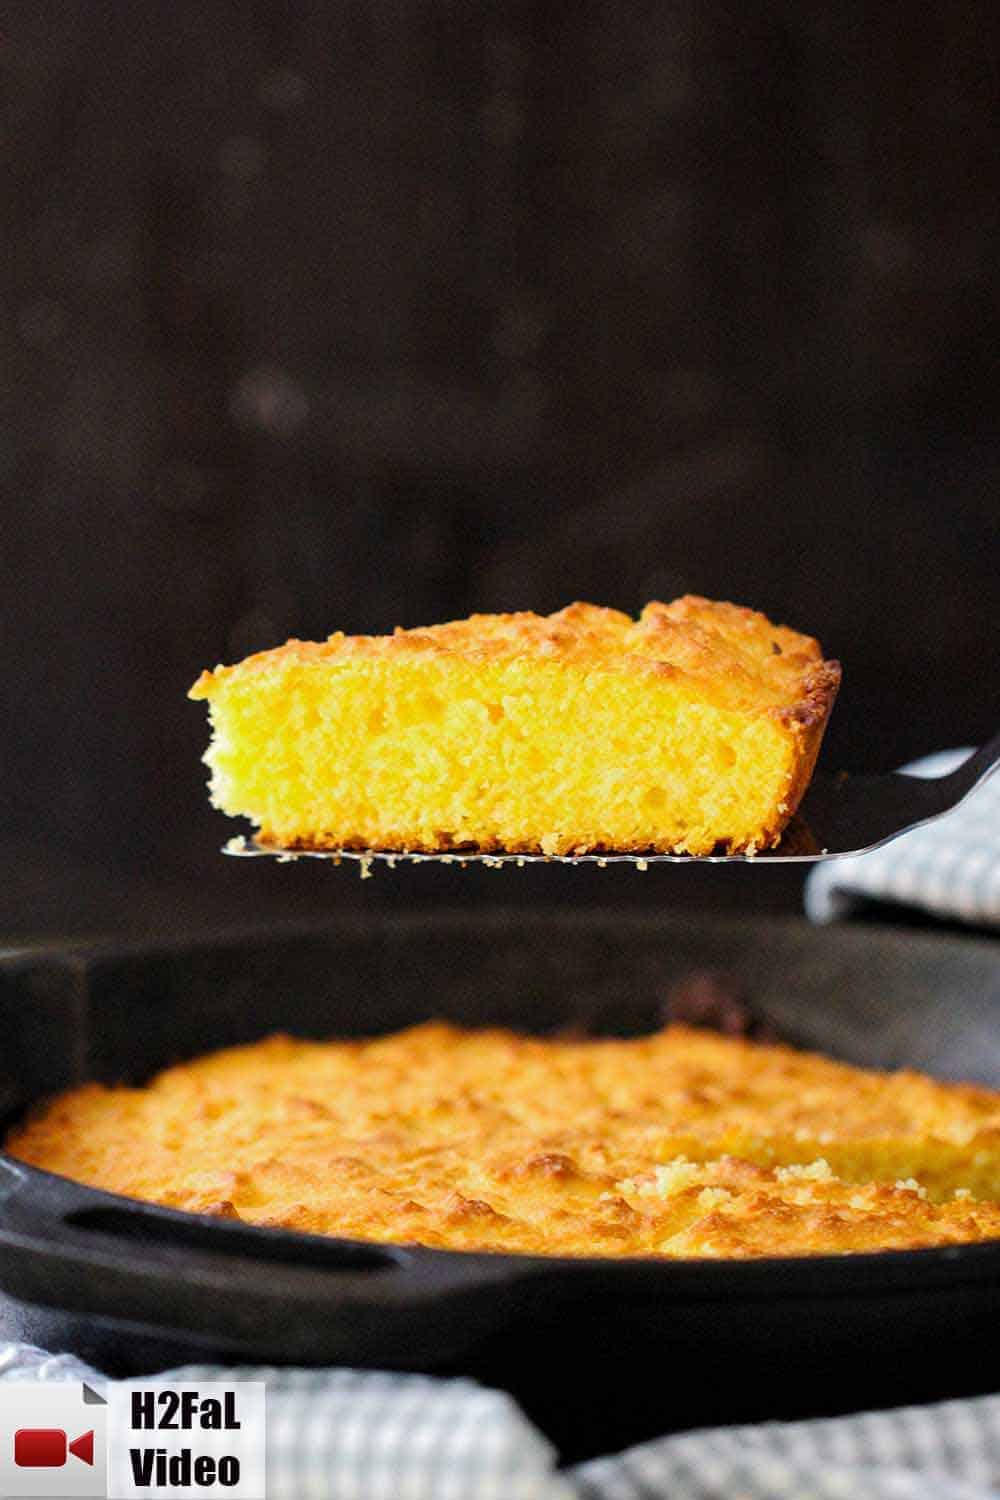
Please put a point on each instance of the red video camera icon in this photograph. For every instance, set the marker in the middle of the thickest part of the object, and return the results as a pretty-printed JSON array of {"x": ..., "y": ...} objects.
[{"x": 47, "y": 1447}]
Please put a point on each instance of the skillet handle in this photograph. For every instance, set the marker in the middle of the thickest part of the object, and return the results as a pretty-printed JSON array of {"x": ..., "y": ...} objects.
[
  {"x": 60, "y": 1223},
  {"x": 36, "y": 1202},
  {"x": 141, "y": 1224}
]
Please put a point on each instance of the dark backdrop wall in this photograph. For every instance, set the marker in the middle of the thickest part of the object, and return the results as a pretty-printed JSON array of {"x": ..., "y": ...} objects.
[{"x": 326, "y": 315}]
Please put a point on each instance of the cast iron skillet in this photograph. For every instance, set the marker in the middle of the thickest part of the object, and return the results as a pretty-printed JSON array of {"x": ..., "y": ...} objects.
[{"x": 600, "y": 1352}]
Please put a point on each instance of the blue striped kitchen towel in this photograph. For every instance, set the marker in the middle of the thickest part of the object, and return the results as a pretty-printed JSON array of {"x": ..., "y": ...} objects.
[
  {"x": 949, "y": 868},
  {"x": 369, "y": 1435}
]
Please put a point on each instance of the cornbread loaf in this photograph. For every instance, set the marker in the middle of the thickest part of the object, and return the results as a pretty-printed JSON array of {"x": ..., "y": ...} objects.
[
  {"x": 691, "y": 729},
  {"x": 680, "y": 1144}
]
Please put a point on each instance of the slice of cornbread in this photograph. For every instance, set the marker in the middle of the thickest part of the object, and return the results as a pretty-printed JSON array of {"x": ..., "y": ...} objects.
[{"x": 695, "y": 727}]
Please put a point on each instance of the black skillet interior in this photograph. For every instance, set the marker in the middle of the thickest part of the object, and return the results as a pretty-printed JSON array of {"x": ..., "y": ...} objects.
[{"x": 600, "y": 1352}]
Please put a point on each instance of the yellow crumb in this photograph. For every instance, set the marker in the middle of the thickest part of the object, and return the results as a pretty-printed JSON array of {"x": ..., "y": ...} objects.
[{"x": 586, "y": 730}]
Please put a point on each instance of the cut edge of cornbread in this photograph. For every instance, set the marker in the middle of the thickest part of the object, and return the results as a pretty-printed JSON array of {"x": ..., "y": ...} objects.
[{"x": 694, "y": 728}]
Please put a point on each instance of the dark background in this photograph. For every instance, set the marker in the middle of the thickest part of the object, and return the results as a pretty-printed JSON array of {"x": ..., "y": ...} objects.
[{"x": 326, "y": 315}]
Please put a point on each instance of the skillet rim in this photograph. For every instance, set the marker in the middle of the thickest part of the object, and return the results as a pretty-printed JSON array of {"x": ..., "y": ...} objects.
[
  {"x": 406, "y": 1257},
  {"x": 106, "y": 947}
]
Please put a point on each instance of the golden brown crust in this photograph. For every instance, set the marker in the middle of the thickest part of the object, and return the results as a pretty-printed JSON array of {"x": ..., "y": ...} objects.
[
  {"x": 678, "y": 1145},
  {"x": 808, "y": 720},
  {"x": 729, "y": 652}
]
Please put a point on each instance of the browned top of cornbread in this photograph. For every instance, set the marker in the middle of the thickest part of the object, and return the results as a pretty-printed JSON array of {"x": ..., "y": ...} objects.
[
  {"x": 679, "y": 1144},
  {"x": 726, "y": 653}
]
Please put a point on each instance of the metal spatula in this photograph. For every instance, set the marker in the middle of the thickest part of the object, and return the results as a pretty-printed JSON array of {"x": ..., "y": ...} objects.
[{"x": 839, "y": 815}]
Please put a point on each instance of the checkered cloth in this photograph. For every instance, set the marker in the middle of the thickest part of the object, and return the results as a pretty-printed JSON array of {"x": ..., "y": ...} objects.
[
  {"x": 366, "y": 1435},
  {"x": 950, "y": 868}
]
